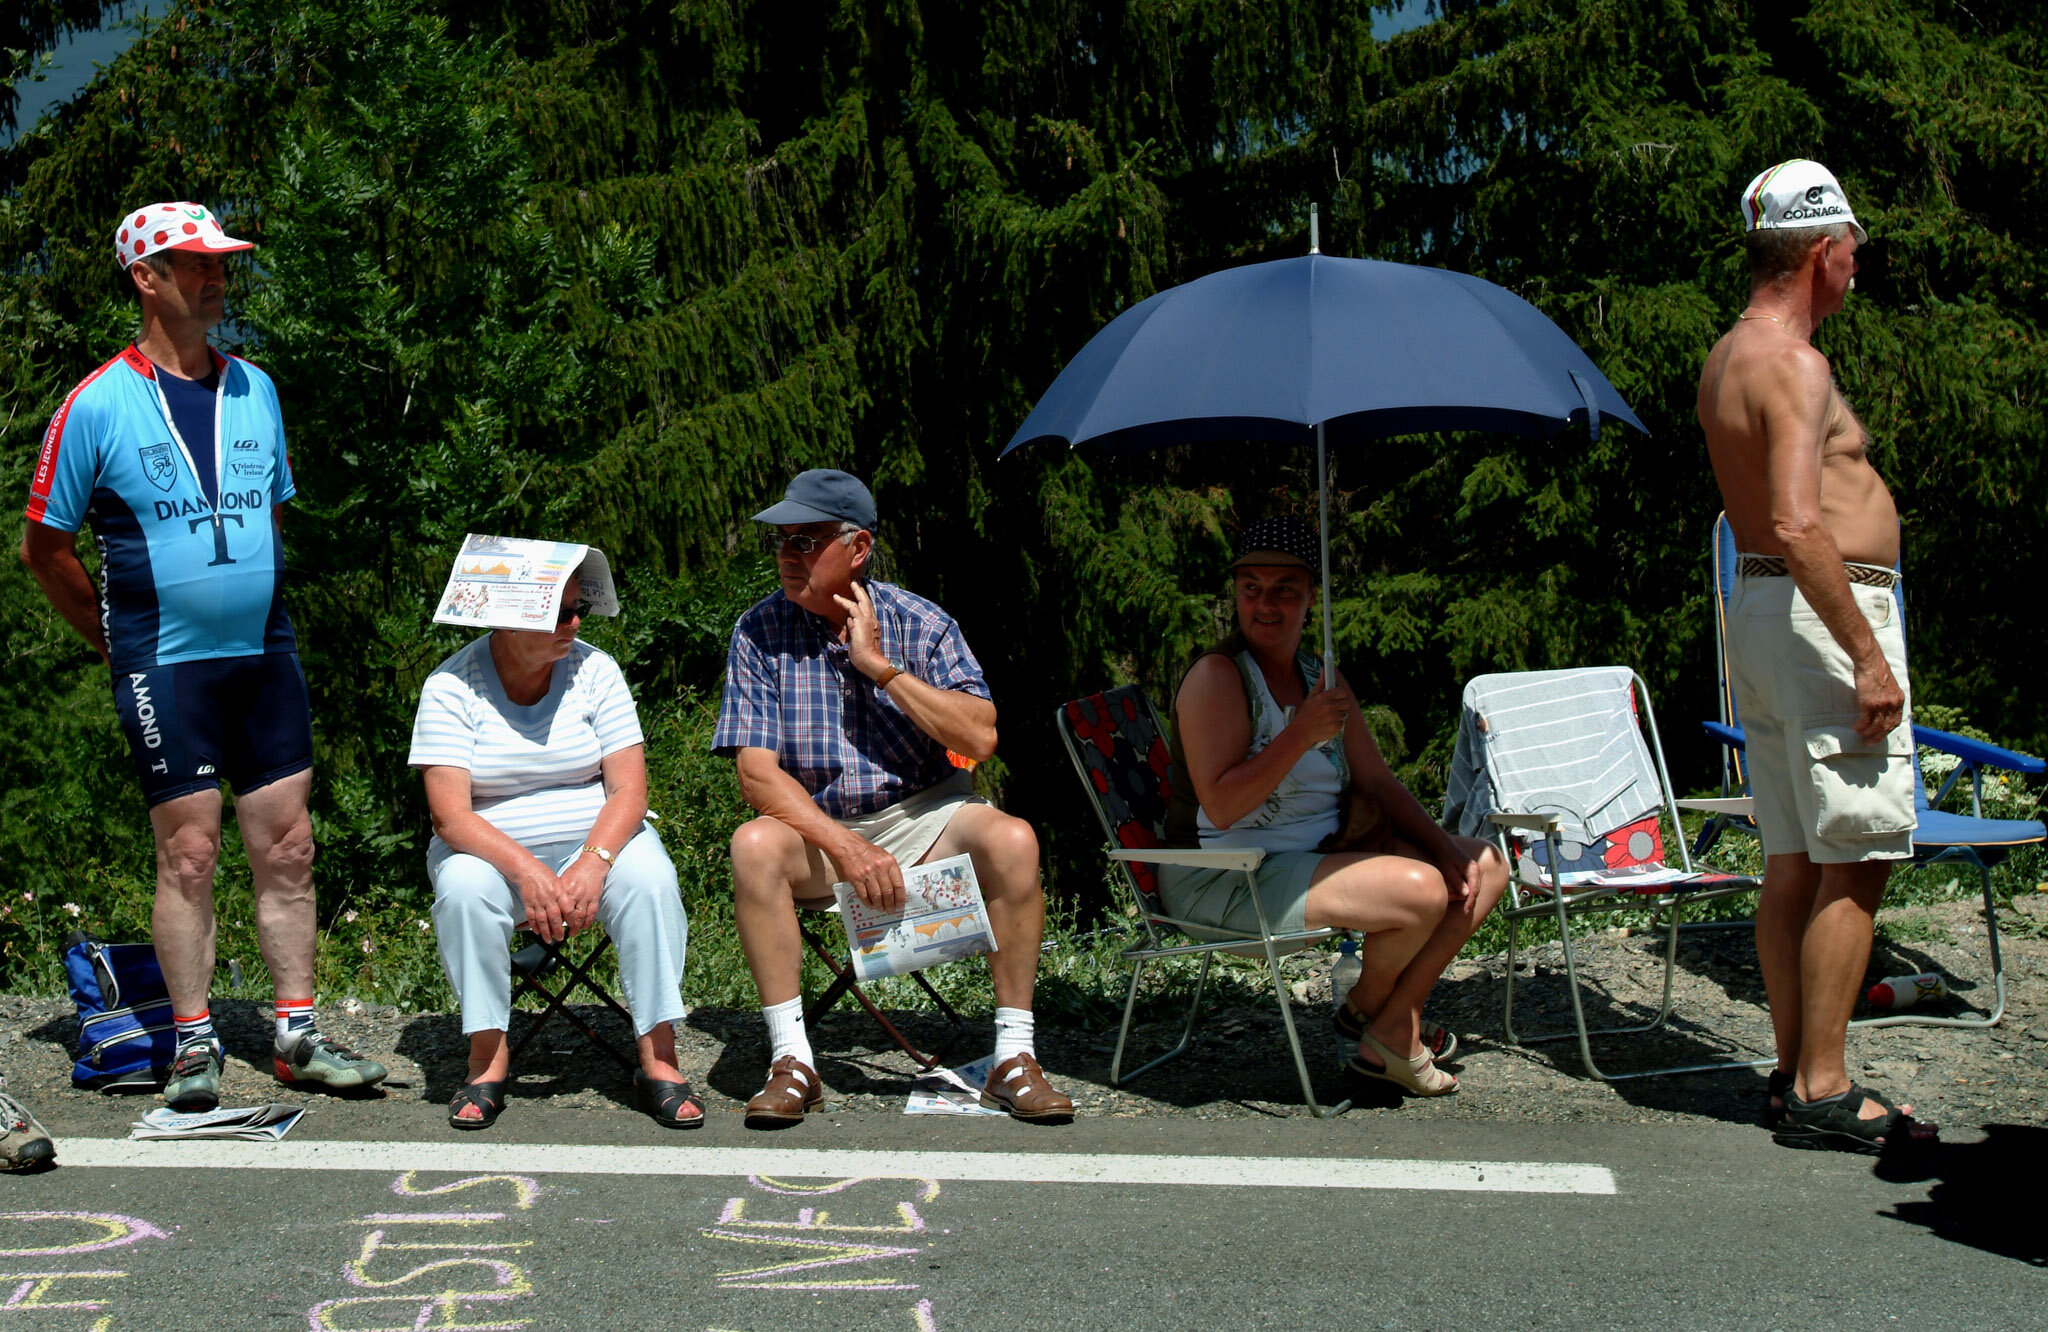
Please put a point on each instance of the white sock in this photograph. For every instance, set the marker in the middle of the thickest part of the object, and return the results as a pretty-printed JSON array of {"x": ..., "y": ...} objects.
[
  {"x": 294, "y": 1019},
  {"x": 1013, "y": 1034},
  {"x": 786, "y": 1035}
]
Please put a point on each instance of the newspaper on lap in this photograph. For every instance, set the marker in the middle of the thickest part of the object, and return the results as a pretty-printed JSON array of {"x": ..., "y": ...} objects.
[{"x": 942, "y": 919}]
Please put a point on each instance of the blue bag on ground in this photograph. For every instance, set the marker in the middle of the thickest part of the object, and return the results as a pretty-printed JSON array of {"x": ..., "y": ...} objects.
[{"x": 126, "y": 1038}]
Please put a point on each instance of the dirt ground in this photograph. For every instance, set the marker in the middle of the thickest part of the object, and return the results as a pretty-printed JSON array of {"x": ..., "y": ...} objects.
[{"x": 1238, "y": 1064}]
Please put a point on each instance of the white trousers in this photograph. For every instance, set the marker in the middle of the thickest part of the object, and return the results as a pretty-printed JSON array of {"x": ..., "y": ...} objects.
[{"x": 475, "y": 912}]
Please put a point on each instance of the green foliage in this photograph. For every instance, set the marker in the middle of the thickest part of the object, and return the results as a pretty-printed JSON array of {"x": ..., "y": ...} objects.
[{"x": 612, "y": 270}]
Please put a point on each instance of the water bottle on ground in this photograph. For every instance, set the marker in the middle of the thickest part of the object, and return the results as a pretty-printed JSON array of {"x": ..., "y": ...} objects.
[
  {"x": 1344, "y": 973},
  {"x": 1906, "y": 991}
]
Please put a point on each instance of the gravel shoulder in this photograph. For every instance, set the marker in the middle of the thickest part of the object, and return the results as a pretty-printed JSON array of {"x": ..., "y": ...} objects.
[{"x": 1238, "y": 1064}]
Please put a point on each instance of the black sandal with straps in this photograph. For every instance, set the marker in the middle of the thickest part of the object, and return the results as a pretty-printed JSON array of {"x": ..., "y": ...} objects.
[
  {"x": 1777, "y": 1086},
  {"x": 487, "y": 1097},
  {"x": 663, "y": 1101},
  {"x": 1836, "y": 1123}
]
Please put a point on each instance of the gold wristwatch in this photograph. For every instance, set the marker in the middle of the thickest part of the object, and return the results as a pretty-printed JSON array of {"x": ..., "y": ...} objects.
[{"x": 597, "y": 851}]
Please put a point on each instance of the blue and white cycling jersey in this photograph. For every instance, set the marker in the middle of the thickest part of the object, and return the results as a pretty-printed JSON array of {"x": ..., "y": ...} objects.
[{"x": 181, "y": 578}]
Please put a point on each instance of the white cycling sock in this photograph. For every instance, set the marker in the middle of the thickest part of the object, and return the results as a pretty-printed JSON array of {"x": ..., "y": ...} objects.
[
  {"x": 294, "y": 1019},
  {"x": 192, "y": 1030},
  {"x": 786, "y": 1035},
  {"x": 1013, "y": 1034}
]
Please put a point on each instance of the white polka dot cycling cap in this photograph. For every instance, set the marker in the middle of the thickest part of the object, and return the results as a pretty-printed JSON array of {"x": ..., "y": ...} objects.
[{"x": 172, "y": 226}]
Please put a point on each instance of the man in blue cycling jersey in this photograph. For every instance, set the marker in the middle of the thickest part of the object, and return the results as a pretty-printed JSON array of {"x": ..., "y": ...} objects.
[{"x": 176, "y": 456}]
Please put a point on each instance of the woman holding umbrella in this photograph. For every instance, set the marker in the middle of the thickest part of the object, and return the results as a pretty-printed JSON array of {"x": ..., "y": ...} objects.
[{"x": 1281, "y": 760}]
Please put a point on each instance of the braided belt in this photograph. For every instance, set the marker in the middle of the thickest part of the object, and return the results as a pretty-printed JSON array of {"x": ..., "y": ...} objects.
[{"x": 1774, "y": 566}]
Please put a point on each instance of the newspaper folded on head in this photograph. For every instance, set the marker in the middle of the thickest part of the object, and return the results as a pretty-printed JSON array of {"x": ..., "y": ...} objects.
[
  {"x": 514, "y": 583},
  {"x": 256, "y": 1123},
  {"x": 942, "y": 919}
]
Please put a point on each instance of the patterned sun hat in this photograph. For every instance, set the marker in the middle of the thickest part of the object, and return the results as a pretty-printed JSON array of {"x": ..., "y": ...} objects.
[
  {"x": 172, "y": 226},
  {"x": 1284, "y": 541}
]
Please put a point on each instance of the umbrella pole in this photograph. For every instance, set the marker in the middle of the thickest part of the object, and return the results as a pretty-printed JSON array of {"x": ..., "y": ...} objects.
[{"x": 1323, "y": 531}]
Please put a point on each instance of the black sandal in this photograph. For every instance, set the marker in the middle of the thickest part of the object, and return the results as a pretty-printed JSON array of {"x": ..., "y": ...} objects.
[
  {"x": 1835, "y": 1123},
  {"x": 1777, "y": 1087},
  {"x": 662, "y": 1100},
  {"x": 487, "y": 1097}
]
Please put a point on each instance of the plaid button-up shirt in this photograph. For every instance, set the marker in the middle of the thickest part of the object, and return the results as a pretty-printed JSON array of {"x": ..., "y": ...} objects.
[{"x": 790, "y": 688}]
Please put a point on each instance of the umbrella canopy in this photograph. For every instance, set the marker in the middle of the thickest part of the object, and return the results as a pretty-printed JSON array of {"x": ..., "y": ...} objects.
[
  {"x": 1363, "y": 348},
  {"x": 1325, "y": 351}
]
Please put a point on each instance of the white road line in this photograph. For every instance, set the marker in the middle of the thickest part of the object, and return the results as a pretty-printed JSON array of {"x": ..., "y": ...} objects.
[{"x": 1281, "y": 1172}]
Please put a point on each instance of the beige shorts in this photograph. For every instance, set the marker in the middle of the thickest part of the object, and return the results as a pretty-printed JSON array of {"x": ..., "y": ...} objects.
[
  {"x": 906, "y": 829},
  {"x": 1821, "y": 790}
]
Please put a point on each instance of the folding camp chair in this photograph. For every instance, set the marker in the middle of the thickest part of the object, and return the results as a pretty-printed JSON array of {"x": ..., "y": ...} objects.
[
  {"x": 843, "y": 983},
  {"x": 1972, "y": 839},
  {"x": 1554, "y": 765},
  {"x": 1117, "y": 747},
  {"x": 535, "y": 966}
]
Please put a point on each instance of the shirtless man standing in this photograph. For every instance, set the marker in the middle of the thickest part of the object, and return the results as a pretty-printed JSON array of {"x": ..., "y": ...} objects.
[{"x": 1816, "y": 653}]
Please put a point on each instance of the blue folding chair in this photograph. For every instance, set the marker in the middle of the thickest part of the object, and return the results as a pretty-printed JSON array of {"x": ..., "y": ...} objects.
[{"x": 1970, "y": 838}]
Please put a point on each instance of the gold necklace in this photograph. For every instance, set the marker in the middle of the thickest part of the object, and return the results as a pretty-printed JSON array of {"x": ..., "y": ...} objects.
[{"x": 1761, "y": 315}]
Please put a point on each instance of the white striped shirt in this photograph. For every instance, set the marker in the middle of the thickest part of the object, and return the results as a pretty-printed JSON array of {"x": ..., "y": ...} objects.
[{"x": 534, "y": 772}]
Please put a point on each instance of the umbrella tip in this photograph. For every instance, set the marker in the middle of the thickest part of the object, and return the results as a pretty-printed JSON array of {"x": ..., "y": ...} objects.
[{"x": 1314, "y": 240}]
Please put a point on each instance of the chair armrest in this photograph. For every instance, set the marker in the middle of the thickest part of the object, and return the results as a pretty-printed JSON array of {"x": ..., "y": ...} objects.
[
  {"x": 1740, "y": 806},
  {"x": 1977, "y": 751},
  {"x": 1543, "y": 823},
  {"x": 1188, "y": 857},
  {"x": 1730, "y": 736}
]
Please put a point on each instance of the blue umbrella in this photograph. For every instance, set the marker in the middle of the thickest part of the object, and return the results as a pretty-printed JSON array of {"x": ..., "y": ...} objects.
[{"x": 1334, "y": 351}]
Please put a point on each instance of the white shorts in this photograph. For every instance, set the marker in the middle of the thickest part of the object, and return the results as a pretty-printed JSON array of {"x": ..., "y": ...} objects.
[
  {"x": 1821, "y": 790},
  {"x": 906, "y": 829}
]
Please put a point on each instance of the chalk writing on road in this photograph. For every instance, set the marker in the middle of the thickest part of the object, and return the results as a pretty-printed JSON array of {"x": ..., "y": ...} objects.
[
  {"x": 436, "y": 1253},
  {"x": 816, "y": 1253},
  {"x": 54, "y": 1236}
]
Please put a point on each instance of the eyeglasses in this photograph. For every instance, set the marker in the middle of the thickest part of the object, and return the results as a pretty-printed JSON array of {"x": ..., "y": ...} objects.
[
  {"x": 572, "y": 610},
  {"x": 801, "y": 543}
]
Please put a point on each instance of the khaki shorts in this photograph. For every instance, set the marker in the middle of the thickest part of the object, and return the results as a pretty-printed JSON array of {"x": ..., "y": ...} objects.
[
  {"x": 906, "y": 829},
  {"x": 1821, "y": 790}
]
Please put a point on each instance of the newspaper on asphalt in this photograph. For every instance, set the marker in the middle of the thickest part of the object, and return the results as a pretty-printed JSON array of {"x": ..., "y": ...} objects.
[
  {"x": 256, "y": 1123},
  {"x": 942, "y": 919},
  {"x": 952, "y": 1091},
  {"x": 503, "y": 582}
]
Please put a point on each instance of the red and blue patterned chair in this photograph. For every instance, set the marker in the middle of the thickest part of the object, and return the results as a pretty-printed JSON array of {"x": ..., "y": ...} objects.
[{"x": 1119, "y": 750}]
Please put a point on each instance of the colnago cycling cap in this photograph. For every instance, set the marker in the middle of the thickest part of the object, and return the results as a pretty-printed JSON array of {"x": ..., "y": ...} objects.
[
  {"x": 172, "y": 226},
  {"x": 1794, "y": 194}
]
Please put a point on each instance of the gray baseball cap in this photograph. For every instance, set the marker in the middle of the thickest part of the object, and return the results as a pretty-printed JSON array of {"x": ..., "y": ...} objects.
[{"x": 822, "y": 496}]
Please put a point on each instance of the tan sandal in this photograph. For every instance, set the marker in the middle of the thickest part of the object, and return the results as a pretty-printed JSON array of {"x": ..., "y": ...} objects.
[{"x": 1418, "y": 1076}]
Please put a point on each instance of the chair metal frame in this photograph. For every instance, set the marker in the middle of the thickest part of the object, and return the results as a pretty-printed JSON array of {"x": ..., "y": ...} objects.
[
  {"x": 1527, "y": 902},
  {"x": 1157, "y": 946},
  {"x": 1973, "y": 756},
  {"x": 539, "y": 960},
  {"x": 843, "y": 983}
]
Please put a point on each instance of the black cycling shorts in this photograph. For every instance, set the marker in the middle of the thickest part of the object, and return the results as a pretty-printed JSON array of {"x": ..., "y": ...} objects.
[{"x": 194, "y": 723}]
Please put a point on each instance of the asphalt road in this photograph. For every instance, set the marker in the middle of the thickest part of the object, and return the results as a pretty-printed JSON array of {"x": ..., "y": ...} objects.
[{"x": 1699, "y": 1226}]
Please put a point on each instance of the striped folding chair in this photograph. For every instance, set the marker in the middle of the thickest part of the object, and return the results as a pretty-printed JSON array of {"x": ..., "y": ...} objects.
[{"x": 1556, "y": 766}]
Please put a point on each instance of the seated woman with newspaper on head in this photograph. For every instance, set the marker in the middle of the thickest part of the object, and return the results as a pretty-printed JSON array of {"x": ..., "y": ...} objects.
[
  {"x": 1281, "y": 760},
  {"x": 536, "y": 775}
]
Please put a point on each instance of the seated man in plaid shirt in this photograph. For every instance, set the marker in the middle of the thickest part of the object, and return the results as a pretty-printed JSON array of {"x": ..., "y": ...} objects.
[{"x": 842, "y": 696}]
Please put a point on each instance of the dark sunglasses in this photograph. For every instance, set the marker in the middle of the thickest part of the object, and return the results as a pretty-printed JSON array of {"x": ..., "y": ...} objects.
[
  {"x": 572, "y": 610},
  {"x": 800, "y": 543}
]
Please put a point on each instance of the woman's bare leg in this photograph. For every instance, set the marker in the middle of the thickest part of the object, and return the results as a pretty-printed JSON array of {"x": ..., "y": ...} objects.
[
  {"x": 1399, "y": 1024},
  {"x": 1396, "y": 901}
]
